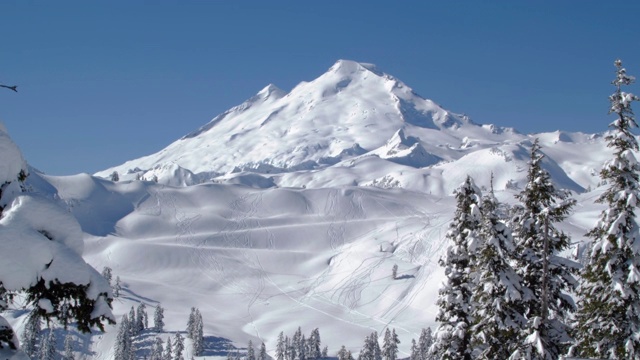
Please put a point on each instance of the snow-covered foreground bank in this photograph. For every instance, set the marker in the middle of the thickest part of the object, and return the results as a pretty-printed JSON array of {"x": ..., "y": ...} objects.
[{"x": 260, "y": 261}]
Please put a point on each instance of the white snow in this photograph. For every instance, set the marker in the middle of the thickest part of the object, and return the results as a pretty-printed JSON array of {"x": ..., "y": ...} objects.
[{"x": 290, "y": 210}]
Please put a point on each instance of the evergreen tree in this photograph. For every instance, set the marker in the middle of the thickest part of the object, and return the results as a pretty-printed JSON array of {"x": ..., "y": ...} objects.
[
  {"x": 262, "y": 355},
  {"x": 424, "y": 344},
  {"x": 29, "y": 338},
  {"x": 453, "y": 335},
  {"x": 191, "y": 323},
  {"x": 141, "y": 318},
  {"x": 499, "y": 294},
  {"x": 48, "y": 346},
  {"x": 107, "y": 274},
  {"x": 123, "y": 340},
  {"x": 280, "y": 347},
  {"x": 178, "y": 347},
  {"x": 325, "y": 352},
  {"x": 158, "y": 319},
  {"x": 68, "y": 348},
  {"x": 168, "y": 354},
  {"x": 251, "y": 354},
  {"x": 342, "y": 353},
  {"x": 367, "y": 352},
  {"x": 117, "y": 287},
  {"x": 415, "y": 351},
  {"x": 133, "y": 324},
  {"x": 608, "y": 318},
  {"x": 314, "y": 352},
  {"x": 545, "y": 275},
  {"x": 157, "y": 353},
  {"x": 390, "y": 345},
  {"x": 198, "y": 335}
]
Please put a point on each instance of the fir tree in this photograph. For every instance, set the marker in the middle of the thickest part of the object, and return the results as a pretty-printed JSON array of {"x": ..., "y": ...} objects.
[
  {"x": 178, "y": 347},
  {"x": 198, "y": 335},
  {"x": 424, "y": 344},
  {"x": 168, "y": 354},
  {"x": 390, "y": 345},
  {"x": 415, "y": 351},
  {"x": 499, "y": 294},
  {"x": 262, "y": 355},
  {"x": 142, "y": 321},
  {"x": 48, "y": 346},
  {"x": 158, "y": 319},
  {"x": 107, "y": 274},
  {"x": 191, "y": 323},
  {"x": 68, "y": 348},
  {"x": 608, "y": 318},
  {"x": 453, "y": 335},
  {"x": 280, "y": 347},
  {"x": 342, "y": 353},
  {"x": 117, "y": 287},
  {"x": 133, "y": 325},
  {"x": 29, "y": 338},
  {"x": 123, "y": 340},
  {"x": 251, "y": 354},
  {"x": 314, "y": 345},
  {"x": 545, "y": 275},
  {"x": 157, "y": 353}
]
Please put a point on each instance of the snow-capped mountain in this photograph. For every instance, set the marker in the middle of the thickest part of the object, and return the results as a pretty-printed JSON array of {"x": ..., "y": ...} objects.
[{"x": 355, "y": 125}]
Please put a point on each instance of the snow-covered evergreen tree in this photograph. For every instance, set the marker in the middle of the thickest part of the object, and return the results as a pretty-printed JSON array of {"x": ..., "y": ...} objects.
[
  {"x": 608, "y": 318},
  {"x": 251, "y": 353},
  {"x": 546, "y": 275},
  {"x": 280, "y": 347},
  {"x": 371, "y": 349},
  {"x": 133, "y": 325},
  {"x": 198, "y": 334},
  {"x": 424, "y": 344},
  {"x": 191, "y": 323},
  {"x": 157, "y": 352},
  {"x": 453, "y": 335},
  {"x": 390, "y": 345},
  {"x": 30, "y": 334},
  {"x": 122, "y": 347},
  {"x": 158, "y": 318},
  {"x": 497, "y": 313},
  {"x": 107, "y": 274},
  {"x": 262, "y": 354},
  {"x": 168, "y": 353},
  {"x": 117, "y": 287},
  {"x": 48, "y": 346},
  {"x": 142, "y": 321},
  {"x": 314, "y": 351},
  {"x": 342, "y": 353},
  {"x": 415, "y": 351},
  {"x": 68, "y": 348},
  {"x": 60, "y": 285},
  {"x": 178, "y": 347}
]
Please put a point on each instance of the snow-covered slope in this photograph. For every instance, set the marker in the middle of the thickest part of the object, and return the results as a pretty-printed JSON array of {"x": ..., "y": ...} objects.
[
  {"x": 355, "y": 125},
  {"x": 292, "y": 208}
]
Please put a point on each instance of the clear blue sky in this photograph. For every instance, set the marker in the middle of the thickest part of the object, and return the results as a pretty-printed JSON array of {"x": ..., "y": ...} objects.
[{"x": 104, "y": 82}]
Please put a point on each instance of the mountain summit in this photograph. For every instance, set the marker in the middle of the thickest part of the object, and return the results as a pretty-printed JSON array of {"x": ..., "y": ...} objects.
[
  {"x": 353, "y": 125},
  {"x": 352, "y": 103}
]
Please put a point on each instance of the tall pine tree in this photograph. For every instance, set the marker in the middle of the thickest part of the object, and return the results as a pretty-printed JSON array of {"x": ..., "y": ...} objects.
[
  {"x": 453, "y": 335},
  {"x": 497, "y": 312},
  {"x": 608, "y": 318},
  {"x": 545, "y": 274}
]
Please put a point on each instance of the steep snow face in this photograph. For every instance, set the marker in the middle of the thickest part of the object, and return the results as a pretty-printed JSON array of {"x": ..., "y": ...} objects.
[{"x": 313, "y": 126}]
